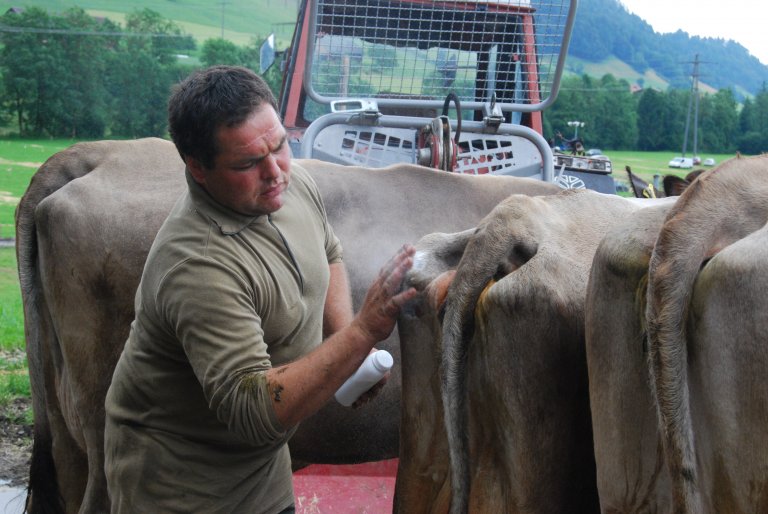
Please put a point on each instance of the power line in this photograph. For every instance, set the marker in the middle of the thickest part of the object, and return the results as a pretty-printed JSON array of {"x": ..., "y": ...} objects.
[
  {"x": 70, "y": 32},
  {"x": 617, "y": 89}
]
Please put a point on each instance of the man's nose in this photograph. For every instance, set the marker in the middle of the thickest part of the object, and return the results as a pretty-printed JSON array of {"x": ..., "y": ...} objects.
[{"x": 270, "y": 169}]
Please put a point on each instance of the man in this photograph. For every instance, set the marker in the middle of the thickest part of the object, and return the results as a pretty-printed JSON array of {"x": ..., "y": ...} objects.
[
  {"x": 224, "y": 357},
  {"x": 575, "y": 145}
]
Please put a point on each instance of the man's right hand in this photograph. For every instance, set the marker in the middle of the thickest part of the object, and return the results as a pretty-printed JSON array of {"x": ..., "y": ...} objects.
[
  {"x": 300, "y": 388},
  {"x": 378, "y": 314}
]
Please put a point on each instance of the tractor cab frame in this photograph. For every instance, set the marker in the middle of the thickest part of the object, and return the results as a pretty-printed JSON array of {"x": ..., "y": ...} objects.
[{"x": 458, "y": 85}]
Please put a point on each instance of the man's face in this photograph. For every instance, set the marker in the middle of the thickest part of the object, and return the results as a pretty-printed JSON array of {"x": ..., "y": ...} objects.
[{"x": 253, "y": 166}]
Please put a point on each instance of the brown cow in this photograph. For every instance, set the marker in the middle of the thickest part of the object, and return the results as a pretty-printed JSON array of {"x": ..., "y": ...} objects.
[
  {"x": 84, "y": 228},
  {"x": 631, "y": 476},
  {"x": 422, "y": 477},
  {"x": 513, "y": 369},
  {"x": 725, "y": 360},
  {"x": 707, "y": 327},
  {"x": 672, "y": 185}
]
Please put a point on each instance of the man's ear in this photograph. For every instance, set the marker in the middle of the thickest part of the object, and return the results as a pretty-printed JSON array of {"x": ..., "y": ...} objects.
[{"x": 196, "y": 169}]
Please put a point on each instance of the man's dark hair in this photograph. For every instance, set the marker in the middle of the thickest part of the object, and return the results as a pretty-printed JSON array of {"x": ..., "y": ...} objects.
[{"x": 211, "y": 98}]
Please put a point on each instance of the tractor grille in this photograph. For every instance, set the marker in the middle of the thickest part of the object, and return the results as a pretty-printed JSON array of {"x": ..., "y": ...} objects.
[
  {"x": 369, "y": 147},
  {"x": 375, "y": 147},
  {"x": 423, "y": 50},
  {"x": 489, "y": 154}
]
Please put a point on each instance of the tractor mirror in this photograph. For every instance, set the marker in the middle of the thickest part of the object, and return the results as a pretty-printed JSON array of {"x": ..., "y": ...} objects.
[{"x": 267, "y": 54}]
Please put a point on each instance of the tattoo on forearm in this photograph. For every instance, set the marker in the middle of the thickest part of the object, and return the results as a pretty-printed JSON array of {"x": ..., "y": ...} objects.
[{"x": 276, "y": 392}]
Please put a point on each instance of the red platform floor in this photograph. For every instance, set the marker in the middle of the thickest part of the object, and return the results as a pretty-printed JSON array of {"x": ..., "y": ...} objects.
[{"x": 349, "y": 489}]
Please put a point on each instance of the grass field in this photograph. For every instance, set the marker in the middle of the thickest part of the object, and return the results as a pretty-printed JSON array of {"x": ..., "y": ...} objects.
[
  {"x": 11, "y": 315},
  {"x": 239, "y": 21},
  {"x": 646, "y": 165},
  {"x": 14, "y": 380}
]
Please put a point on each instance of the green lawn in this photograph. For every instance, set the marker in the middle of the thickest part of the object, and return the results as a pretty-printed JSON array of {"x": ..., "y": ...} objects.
[
  {"x": 648, "y": 164},
  {"x": 11, "y": 315},
  {"x": 14, "y": 380}
]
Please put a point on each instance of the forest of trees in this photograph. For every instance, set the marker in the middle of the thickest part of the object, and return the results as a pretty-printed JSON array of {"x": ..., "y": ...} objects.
[
  {"x": 77, "y": 76},
  {"x": 73, "y": 75},
  {"x": 652, "y": 120}
]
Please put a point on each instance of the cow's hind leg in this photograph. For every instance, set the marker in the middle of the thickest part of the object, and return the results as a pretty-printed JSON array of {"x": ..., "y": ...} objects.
[
  {"x": 96, "y": 498},
  {"x": 71, "y": 464}
]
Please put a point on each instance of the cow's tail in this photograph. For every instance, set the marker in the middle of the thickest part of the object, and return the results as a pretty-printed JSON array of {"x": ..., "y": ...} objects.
[
  {"x": 43, "y": 495},
  {"x": 721, "y": 207},
  {"x": 490, "y": 253}
]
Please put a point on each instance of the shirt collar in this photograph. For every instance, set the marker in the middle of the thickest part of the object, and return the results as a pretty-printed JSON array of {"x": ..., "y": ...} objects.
[{"x": 228, "y": 221}]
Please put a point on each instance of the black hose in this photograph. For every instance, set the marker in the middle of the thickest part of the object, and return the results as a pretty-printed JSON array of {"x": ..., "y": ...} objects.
[{"x": 455, "y": 98}]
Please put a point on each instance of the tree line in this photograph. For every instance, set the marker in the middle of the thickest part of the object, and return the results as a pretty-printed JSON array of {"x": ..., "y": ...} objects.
[
  {"x": 614, "y": 117},
  {"x": 73, "y": 75}
]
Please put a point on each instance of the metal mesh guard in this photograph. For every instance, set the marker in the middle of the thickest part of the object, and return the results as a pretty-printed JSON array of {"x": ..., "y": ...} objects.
[{"x": 419, "y": 50}]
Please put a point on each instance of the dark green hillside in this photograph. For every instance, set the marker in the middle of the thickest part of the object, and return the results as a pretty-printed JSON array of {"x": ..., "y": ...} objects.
[{"x": 605, "y": 29}]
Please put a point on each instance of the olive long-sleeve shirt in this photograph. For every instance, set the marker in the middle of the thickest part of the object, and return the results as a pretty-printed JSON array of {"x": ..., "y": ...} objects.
[{"x": 223, "y": 297}]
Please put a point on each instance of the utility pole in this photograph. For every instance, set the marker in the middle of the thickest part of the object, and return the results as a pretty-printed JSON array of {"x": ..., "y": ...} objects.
[
  {"x": 576, "y": 125},
  {"x": 693, "y": 101},
  {"x": 223, "y": 4}
]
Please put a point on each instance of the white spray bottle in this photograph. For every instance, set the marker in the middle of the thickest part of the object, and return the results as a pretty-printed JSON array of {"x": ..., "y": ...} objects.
[{"x": 373, "y": 368}]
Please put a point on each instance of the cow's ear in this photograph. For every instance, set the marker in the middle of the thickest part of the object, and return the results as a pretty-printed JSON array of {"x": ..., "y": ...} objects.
[{"x": 196, "y": 169}]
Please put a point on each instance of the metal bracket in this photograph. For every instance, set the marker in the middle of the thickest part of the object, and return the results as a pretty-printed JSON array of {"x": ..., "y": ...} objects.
[
  {"x": 436, "y": 148},
  {"x": 494, "y": 116},
  {"x": 367, "y": 118}
]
